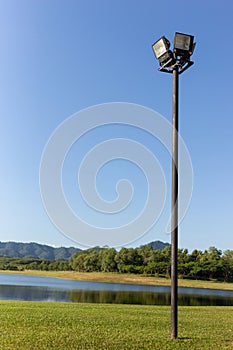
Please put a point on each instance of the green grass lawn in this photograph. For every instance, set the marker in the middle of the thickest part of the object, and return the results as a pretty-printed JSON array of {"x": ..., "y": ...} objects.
[{"x": 66, "y": 326}]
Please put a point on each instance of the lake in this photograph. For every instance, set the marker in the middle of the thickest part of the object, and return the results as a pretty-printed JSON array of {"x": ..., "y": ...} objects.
[{"x": 34, "y": 288}]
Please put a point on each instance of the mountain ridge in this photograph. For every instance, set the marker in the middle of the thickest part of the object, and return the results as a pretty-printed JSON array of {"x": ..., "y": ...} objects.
[{"x": 35, "y": 250}]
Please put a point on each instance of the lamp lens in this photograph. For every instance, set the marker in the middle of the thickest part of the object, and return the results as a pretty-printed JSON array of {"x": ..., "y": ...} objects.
[
  {"x": 182, "y": 42},
  {"x": 159, "y": 48}
]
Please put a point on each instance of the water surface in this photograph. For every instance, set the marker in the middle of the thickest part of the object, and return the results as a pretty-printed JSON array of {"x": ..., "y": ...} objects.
[{"x": 34, "y": 288}]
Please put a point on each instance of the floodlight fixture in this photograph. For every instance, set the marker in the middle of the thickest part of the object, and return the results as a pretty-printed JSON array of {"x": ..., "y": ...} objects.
[
  {"x": 162, "y": 52},
  {"x": 161, "y": 46},
  {"x": 183, "y": 45}
]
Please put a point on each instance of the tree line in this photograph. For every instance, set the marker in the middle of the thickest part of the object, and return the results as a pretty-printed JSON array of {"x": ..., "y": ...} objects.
[{"x": 208, "y": 264}]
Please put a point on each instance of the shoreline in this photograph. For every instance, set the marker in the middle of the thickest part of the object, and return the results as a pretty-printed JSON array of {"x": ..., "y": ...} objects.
[{"x": 111, "y": 277}]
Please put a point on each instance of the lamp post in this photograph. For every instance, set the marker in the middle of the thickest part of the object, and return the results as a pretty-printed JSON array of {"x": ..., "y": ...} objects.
[{"x": 174, "y": 62}]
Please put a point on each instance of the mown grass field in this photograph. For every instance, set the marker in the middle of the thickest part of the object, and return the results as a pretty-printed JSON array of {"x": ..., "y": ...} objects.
[
  {"x": 125, "y": 278},
  {"x": 38, "y": 325}
]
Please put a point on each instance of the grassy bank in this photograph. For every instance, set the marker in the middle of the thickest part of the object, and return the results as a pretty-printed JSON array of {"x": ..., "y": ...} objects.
[
  {"x": 125, "y": 278},
  {"x": 37, "y": 325}
]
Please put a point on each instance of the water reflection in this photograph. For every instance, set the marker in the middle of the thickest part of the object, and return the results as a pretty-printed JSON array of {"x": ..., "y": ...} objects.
[{"x": 35, "y": 293}]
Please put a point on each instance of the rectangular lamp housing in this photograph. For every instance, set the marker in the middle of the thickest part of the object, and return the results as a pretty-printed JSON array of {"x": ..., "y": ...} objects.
[
  {"x": 160, "y": 47},
  {"x": 183, "y": 44}
]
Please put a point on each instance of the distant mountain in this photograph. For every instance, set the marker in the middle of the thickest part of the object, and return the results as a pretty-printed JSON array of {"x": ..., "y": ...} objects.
[
  {"x": 41, "y": 251},
  {"x": 35, "y": 250},
  {"x": 158, "y": 245}
]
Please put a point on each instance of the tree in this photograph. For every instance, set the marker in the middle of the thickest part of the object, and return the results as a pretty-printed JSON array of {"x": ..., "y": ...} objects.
[
  {"x": 166, "y": 254},
  {"x": 227, "y": 265},
  {"x": 196, "y": 255},
  {"x": 183, "y": 256},
  {"x": 127, "y": 257},
  {"x": 146, "y": 254},
  {"x": 91, "y": 261},
  {"x": 214, "y": 253},
  {"x": 77, "y": 261},
  {"x": 107, "y": 260}
]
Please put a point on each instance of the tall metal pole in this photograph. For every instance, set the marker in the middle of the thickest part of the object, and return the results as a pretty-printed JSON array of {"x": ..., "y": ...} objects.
[
  {"x": 174, "y": 207},
  {"x": 175, "y": 62}
]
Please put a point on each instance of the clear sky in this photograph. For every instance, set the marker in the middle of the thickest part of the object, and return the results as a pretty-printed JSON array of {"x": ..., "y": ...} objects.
[{"x": 59, "y": 57}]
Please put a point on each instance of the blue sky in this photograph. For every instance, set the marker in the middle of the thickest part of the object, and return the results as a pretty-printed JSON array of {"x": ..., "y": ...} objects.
[{"x": 59, "y": 57}]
